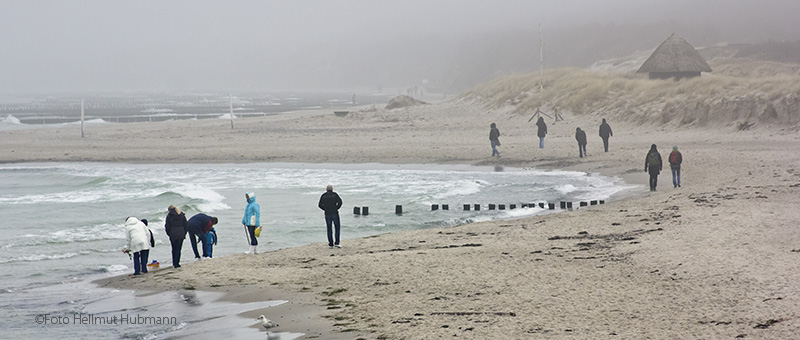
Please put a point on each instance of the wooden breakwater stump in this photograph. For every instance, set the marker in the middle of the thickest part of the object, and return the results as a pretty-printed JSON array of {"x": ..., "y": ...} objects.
[
  {"x": 593, "y": 202},
  {"x": 541, "y": 205},
  {"x": 569, "y": 205},
  {"x": 512, "y": 206},
  {"x": 584, "y": 204},
  {"x": 364, "y": 211},
  {"x": 551, "y": 206},
  {"x": 434, "y": 207},
  {"x": 476, "y": 207},
  {"x": 398, "y": 209},
  {"x": 356, "y": 210},
  {"x": 563, "y": 205},
  {"x": 466, "y": 207},
  {"x": 491, "y": 206},
  {"x": 501, "y": 206},
  {"x": 445, "y": 207}
]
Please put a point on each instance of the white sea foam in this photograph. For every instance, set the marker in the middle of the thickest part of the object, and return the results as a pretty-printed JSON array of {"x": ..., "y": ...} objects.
[
  {"x": 565, "y": 189},
  {"x": 115, "y": 268},
  {"x": 10, "y": 119},
  {"x": 38, "y": 257},
  {"x": 460, "y": 188},
  {"x": 157, "y": 111}
]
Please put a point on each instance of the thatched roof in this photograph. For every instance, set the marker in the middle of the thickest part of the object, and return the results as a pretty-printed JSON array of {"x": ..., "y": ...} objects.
[{"x": 675, "y": 55}]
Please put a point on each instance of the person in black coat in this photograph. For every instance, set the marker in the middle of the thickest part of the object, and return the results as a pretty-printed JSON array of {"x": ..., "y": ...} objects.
[
  {"x": 605, "y": 132},
  {"x": 175, "y": 227},
  {"x": 580, "y": 136},
  {"x": 330, "y": 202},
  {"x": 652, "y": 165},
  {"x": 541, "y": 132}
]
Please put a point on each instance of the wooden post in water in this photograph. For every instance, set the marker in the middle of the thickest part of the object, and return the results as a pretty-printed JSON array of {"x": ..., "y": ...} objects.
[
  {"x": 230, "y": 97},
  {"x": 82, "y": 135}
]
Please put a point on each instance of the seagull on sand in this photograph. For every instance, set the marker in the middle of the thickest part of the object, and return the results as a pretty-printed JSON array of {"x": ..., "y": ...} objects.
[{"x": 266, "y": 323}]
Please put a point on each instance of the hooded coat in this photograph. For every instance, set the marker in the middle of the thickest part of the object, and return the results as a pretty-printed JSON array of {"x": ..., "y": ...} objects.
[
  {"x": 542, "y": 128},
  {"x": 494, "y": 133},
  {"x": 137, "y": 235},
  {"x": 654, "y": 168},
  {"x": 605, "y": 129},
  {"x": 175, "y": 225},
  {"x": 580, "y": 136},
  {"x": 252, "y": 213}
]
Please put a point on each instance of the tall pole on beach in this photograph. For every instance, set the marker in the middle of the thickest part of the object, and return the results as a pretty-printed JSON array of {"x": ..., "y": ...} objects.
[
  {"x": 230, "y": 97},
  {"x": 541, "y": 61},
  {"x": 82, "y": 135}
]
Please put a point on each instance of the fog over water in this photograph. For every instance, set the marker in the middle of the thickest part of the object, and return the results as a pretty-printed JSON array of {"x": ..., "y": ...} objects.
[{"x": 77, "y": 46}]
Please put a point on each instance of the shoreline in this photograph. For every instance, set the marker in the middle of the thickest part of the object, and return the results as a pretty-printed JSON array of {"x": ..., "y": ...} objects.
[{"x": 712, "y": 259}]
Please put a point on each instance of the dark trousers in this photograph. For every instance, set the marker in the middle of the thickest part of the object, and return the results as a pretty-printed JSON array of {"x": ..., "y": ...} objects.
[
  {"x": 177, "y": 244},
  {"x": 195, "y": 235},
  {"x": 581, "y": 150},
  {"x": 140, "y": 261},
  {"x": 605, "y": 143},
  {"x": 653, "y": 178},
  {"x": 333, "y": 219},
  {"x": 251, "y": 230}
]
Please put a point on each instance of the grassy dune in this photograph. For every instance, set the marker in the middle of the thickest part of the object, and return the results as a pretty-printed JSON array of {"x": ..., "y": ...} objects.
[{"x": 738, "y": 93}]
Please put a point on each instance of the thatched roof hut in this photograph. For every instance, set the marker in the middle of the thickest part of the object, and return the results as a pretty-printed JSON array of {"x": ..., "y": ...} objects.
[{"x": 674, "y": 58}]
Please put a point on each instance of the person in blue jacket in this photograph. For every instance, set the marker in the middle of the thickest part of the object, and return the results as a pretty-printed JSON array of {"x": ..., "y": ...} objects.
[
  {"x": 251, "y": 220},
  {"x": 197, "y": 227},
  {"x": 211, "y": 241}
]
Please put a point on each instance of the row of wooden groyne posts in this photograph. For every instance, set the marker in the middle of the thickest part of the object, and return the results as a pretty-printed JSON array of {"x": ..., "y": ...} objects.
[{"x": 564, "y": 205}]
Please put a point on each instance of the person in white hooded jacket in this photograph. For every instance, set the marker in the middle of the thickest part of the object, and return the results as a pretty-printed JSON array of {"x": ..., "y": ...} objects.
[{"x": 138, "y": 242}]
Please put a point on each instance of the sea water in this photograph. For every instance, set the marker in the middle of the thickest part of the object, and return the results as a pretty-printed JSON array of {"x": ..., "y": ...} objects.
[{"x": 61, "y": 224}]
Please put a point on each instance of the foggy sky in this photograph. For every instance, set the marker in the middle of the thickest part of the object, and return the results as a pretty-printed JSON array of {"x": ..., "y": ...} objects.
[{"x": 74, "y": 46}]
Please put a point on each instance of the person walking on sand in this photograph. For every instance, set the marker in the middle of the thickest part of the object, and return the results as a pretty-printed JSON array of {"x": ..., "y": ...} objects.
[
  {"x": 330, "y": 202},
  {"x": 175, "y": 226},
  {"x": 251, "y": 220},
  {"x": 605, "y": 132},
  {"x": 675, "y": 160},
  {"x": 542, "y": 131},
  {"x": 137, "y": 238},
  {"x": 494, "y": 138},
  {"x": 652, "y": 165},
  {"x": 197, "y": 227},
  {"x": 580, "y": 136}
]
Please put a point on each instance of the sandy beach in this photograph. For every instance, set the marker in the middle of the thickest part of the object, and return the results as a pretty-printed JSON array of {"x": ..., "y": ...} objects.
[{"x": 714, "y": 259}]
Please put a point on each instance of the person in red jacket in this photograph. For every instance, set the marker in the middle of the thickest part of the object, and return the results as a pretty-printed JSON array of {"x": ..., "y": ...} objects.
[{"x": 675, "y": 160}]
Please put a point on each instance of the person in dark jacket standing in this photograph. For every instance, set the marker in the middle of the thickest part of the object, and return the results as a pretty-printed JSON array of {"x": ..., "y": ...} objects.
[
  {"x": 542, "y": 131},
  {"x": 330, "y": 202},
  {"x": 580, "y": 136},
  {"x": 605, "y": 132},
  {"x": 197, "y": 227},
  {"x": 675, "y": 160},
  {"x": 175, "y": 227},
  {"x": 494, "y": 138},
  {"x": 652, "y": 164}
]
